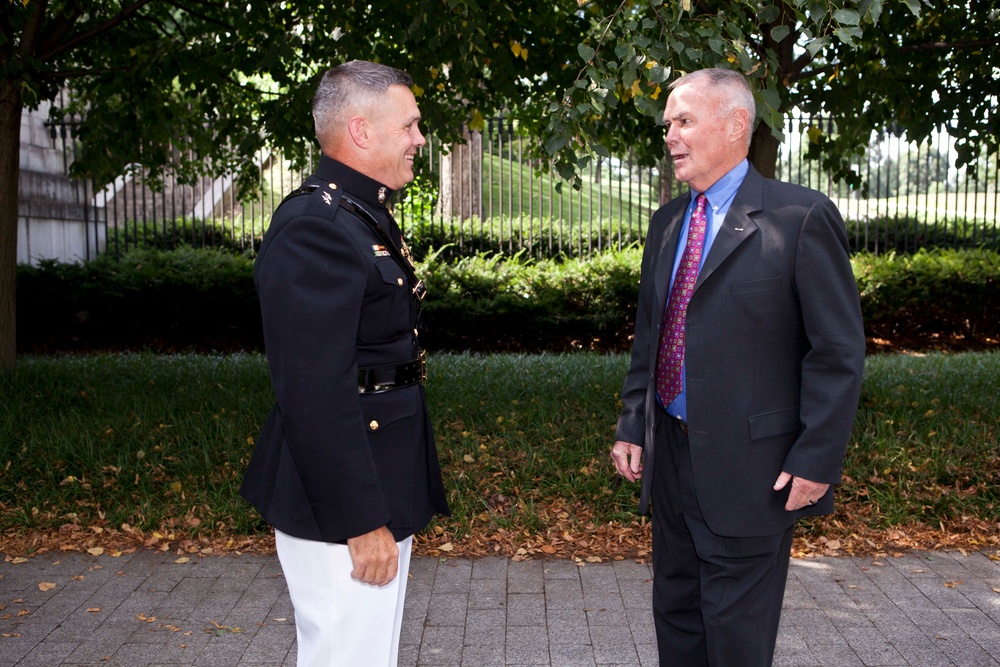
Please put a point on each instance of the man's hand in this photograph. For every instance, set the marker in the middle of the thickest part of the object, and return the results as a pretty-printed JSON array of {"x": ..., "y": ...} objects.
[
  {"x": 628, "y": 460},
  {"x": 803, "y": 492},
  {"x": 375, "y": 556}
]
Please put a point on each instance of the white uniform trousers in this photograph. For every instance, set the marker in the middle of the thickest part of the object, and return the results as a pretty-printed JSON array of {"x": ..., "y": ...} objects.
[{"x": 339, "y": 621}]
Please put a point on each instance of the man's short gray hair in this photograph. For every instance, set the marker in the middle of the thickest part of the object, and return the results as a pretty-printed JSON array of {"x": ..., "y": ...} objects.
[
  {"x": 735, "y": 86},
  {"x": 357, "y": 84}
]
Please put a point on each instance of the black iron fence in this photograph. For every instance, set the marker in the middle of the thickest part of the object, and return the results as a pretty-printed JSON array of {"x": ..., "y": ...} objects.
[{"x": 489, "y": 195}]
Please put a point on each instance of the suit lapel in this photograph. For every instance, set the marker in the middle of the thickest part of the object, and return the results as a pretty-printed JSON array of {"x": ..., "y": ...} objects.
[
  {"x": 666, "y": 254},
  {"x": 738, "y": 225}
]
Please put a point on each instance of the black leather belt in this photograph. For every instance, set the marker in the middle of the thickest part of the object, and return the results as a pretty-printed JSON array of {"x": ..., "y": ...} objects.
[
  {"x": 376, "y": 379},
  {"x": 683, "y": 424}
]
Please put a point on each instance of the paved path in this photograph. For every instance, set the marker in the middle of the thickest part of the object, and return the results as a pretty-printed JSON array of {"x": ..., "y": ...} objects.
[{"x": 149, "y": 610}]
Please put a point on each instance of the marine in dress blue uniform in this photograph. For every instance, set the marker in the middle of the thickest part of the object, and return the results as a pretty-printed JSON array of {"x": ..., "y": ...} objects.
[{"x": 347, "y": 455}]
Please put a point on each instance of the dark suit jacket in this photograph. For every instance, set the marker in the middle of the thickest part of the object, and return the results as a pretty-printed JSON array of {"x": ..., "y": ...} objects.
[
  {"x": 774, "y": 354},
  {"x": 331, "y": 463}
]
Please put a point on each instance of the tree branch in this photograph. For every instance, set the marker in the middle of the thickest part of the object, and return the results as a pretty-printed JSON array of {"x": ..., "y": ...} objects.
[
  {"x": 32, "y": 28},
  {"x": 208, "y": 19},
  {"x": 57, "y": 47},
  {"x": 938, "y": 46}
]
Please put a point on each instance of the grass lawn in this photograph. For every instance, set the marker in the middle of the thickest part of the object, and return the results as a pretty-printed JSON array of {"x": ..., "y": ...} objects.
[{"x": 123, "y": 451}]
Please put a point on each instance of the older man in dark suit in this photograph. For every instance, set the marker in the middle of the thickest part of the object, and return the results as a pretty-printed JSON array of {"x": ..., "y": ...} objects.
[
  {"x": 744, "y": 381},
  {"x": 345, "y": 468}
]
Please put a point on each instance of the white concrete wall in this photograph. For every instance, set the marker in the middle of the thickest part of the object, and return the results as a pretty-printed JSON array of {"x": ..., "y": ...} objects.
[{"x": 52, "y": 210}]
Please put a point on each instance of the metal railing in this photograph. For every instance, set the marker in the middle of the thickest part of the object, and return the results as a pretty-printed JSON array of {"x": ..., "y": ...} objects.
[{"x": 490, "y": 196}]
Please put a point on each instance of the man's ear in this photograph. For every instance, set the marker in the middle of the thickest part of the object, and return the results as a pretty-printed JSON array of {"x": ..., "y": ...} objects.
[
  {"x": 359, "y": 128},
  {"x": 740, "y": 120}
]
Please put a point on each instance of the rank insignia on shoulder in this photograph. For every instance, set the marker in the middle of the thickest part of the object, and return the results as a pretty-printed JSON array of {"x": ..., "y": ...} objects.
[
  {"x": 327, "y": 198},
  {"x": 379, "y": 250}
]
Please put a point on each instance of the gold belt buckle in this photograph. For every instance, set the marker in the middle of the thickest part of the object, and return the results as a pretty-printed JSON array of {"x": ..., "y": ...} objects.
[{"x": 423, "y": 367}]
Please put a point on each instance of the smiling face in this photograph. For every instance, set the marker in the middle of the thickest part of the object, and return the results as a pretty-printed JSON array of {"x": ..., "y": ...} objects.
[
  {"x": 705, "y": 141},
  {"x": 395, "y": 138}
]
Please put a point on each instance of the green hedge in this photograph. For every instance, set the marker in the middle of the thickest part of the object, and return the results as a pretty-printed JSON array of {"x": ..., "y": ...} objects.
[
  {"x": 185, "y": 298},
  {"x": 188, "y": 299},
  {"x": 906, "y": 235},
  {"x": 544, "y": 237},
  {"x": 931, "y": 293}
]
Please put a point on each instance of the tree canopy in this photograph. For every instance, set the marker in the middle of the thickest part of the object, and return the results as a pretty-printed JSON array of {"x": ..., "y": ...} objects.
[
  {"x": 903, "y": 66},
  {"x": 198, "y": 86}
]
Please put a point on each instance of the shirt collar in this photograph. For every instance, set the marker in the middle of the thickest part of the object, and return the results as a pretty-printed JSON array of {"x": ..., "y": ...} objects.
[{"x": 721, "y": 192}]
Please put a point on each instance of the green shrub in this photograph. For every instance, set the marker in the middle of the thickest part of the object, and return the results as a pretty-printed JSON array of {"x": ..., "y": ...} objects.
[
  {"x": 513, "y": 303},
  {"x": 907, "y": 235},
  {"x": 533, "y": 237},
  {"x": 229, "y": 235},
  {"x": 938, "y": 292},
  {"x": 200, "y": 299},
  {"x": 188, "y": 299}
]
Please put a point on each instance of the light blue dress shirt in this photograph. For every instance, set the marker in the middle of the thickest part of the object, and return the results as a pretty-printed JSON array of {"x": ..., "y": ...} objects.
[{"x": 719, "y": 198}]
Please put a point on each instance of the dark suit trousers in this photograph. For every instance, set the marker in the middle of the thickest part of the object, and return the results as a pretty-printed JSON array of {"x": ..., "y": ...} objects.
[{"x": 716, "y": 600}]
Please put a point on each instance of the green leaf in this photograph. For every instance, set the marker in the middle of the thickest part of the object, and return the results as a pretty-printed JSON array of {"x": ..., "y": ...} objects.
[
  {"x": 816, "y": 45},
  {"x": 847, "y": 16},
  {"x": 586, "y": 52},
  {"x": 768, "y": 14},
  {"x": 779, "y": 32},
  {"x": 770, "y": 98},
  {"x": 848, "y": 34},
  {"x": 658, "y": 74},
  {"x": 555, "y": 144}
]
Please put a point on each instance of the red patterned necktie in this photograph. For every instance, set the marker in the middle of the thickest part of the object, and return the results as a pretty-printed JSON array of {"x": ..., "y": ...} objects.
[{"x": 671, "y": 354}]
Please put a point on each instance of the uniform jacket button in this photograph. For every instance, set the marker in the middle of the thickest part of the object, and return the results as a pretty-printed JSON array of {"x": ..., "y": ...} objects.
[{"x": 373, "y": 425}]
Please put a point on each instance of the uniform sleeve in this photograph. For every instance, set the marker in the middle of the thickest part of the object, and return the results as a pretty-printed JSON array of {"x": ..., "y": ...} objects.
[{"x": 311, "y": 284}]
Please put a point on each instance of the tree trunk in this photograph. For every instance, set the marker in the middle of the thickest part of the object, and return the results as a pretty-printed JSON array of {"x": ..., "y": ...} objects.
[
  {"x": 10, "y": 144},
  {"x": 667, "y": 180},
  {"x": 461, "y": 193},
  {"x": 764, "y": 150}
]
